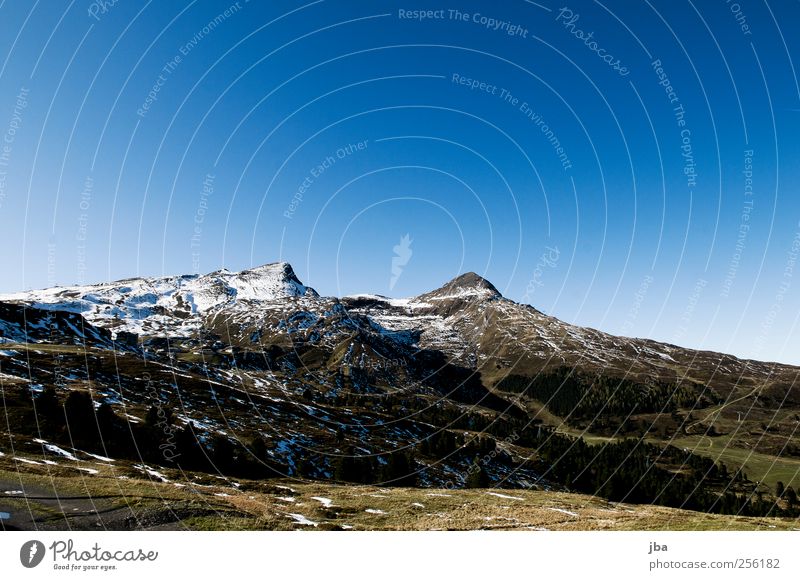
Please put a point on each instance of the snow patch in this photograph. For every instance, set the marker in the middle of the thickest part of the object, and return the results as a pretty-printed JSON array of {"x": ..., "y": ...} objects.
[
  {"x": 324, "y": 501},
  {"x": 151, "y": 472},
  {"x": 563, "y": 511},
  {"x": 56, "y": 449},
  {"x": 504, "y": 496},
  {"x": 99, "y": 457},
  {"x": 302, "y": 520}
]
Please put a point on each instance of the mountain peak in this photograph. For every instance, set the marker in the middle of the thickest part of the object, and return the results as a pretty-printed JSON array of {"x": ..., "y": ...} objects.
[
  {"x": 464, "y": 286},
  {"x": 281, "y": 270},
  {"x": 273, "y": 279}
]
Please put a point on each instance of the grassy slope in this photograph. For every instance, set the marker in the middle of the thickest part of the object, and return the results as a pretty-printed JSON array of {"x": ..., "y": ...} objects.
[
  {"x": 768, "y": 469},
  {"x": 734, "y": 450},
  {"x": 121, "y": 497}
]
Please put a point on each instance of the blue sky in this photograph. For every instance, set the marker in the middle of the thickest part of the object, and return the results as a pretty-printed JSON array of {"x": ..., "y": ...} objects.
[{"x": 588, "y": 158}]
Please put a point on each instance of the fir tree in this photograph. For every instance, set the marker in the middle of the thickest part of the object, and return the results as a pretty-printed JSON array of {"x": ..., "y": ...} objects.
[
  {"x": 791, "y": 497},
  {"x": 79, "y": 414},
  {"x": 477, "y": 476}
]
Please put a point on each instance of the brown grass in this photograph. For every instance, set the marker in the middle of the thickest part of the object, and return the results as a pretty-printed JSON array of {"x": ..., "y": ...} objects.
[{"x": 205, "y": 502}]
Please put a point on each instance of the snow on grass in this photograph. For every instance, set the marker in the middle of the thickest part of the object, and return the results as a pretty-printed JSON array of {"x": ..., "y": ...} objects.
[
  {"x": 324, "y": 501},
  {"x": 438, "y": 495},
  {"x": 503, "y": 495},
  {"x": 88, "y": 470},
  {"x": 374, "y": 511},
  {"x": 56, "y": 449},
  {"x": 222, "y": 495},
  {"x": 302, "y": 520},
  {"x": 286, "y": 488},
  {"x": 2, "y": 454},
  {"x": 417, "y": 504},
  {"x": 99, "y": 457},
  {"x": 14, "y": 492},
  {"x": 30, "y": 461},
  {"x": 563, "y": 511},
  {"x": 151, "y": 472},
  {"x": 287, "y": 499}
]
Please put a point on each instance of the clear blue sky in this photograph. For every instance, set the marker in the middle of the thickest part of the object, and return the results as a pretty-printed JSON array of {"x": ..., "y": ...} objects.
[{"x": 148, "y": 138}]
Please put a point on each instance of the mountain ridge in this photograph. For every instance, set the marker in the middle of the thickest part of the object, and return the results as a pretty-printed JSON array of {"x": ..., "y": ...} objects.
[
  {"x": 276, "y": 280},
  {"x": 258, "y": 374}
]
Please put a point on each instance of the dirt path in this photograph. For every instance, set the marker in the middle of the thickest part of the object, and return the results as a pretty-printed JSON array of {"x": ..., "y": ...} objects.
[{"x": 35, "y": 507}]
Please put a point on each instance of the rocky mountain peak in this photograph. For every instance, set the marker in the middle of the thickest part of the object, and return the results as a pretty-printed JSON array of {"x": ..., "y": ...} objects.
[
  {"x": 270, "y": 280},
  {"x": 466, "y": 285},
  {"x": 279, "y": 270}
]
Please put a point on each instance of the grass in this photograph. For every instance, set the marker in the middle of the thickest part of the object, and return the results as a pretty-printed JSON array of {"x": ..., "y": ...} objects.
[
  {"x": 204, "y": 502},
  {"x": 761, "y": 467},
  {"x": 766, "y": 469}
]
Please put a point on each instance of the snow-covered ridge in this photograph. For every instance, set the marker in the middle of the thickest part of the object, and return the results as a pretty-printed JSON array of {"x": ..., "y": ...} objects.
[
  {"x": 144, "y": 305},
  {"x": 465, "y": 286},
  {"x": 395, "y": 302}
]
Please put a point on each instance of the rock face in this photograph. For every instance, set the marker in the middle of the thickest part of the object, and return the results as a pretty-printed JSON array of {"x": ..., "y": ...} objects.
[{"x": 257, "y": 354}]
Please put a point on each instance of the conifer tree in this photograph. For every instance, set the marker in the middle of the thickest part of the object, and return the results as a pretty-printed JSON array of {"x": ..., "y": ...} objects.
[{"x": 477, "y": 476}]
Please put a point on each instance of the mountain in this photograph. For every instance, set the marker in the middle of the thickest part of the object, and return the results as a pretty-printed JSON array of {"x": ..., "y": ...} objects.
[
  {"x": 255, "y": 375},
  {"x": 174, "y": 306}
]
